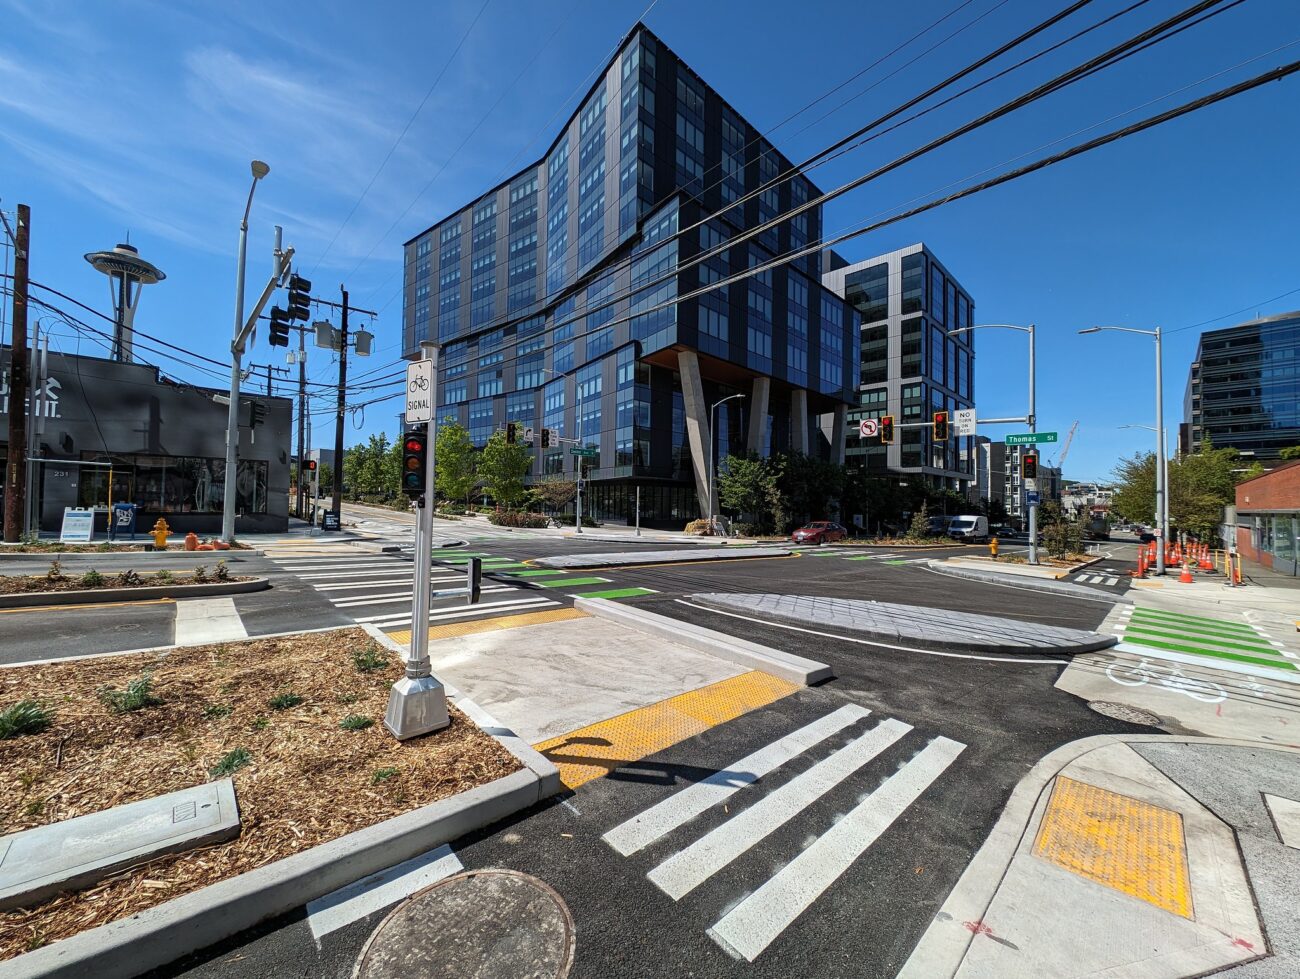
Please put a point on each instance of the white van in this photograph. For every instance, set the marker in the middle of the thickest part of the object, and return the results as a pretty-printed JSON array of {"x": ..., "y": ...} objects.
[{"x": 969, "y": 528}]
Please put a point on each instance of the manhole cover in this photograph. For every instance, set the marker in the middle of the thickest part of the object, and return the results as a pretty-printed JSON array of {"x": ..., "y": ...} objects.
[
  {"x": 1123, "y": 712},
  {"x": 492, "y": 924}
]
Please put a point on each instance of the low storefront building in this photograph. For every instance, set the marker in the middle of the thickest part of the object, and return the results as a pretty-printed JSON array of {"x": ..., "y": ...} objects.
[
  {"x": 113, "y": 432},
  {"x": 1268, "y": 519}
]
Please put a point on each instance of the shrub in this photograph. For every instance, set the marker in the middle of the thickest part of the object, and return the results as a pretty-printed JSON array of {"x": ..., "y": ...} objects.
[
  {"x": 356, "y": 722},
  {"x": 24, "y": 717},
  {"x": 701, "y": 527},
  {"x": 230, "y": 763},
  {"x": 128, "y": 578},
  {"x": 746, "y": 529},
  {"x": 163, "y": 577},
  {"x": 382, "y": 775},
  {"x": 200, "y": 574},
  {"x": 221, "y": 572},
  {"x": 213, "y": 711},
  {"x": 56, "y": 571},
  {"x": 137, "y": 696},
  {"x": 590, "y": 521},
  {"x": 450, "y": 507},
  {"x": 369, "y": 659},
  {"x": 517, "y": 518},
  {"x": 284, "y": 701},
  {"x": 92, "y": 579}
]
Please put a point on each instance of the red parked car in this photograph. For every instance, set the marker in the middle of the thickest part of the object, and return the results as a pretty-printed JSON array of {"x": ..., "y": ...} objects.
[{"x": 819, "y": 532}]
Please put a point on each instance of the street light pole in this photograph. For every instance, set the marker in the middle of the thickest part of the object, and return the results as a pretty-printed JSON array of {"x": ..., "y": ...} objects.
[
  {"x": 1162, "y": 459},
  {"x": 713, "y": 463},
  {"x": 259, "y": 170}
]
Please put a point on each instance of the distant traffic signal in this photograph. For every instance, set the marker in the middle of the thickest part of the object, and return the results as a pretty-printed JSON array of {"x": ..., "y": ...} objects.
[
  {"x": 941, "y": 426},
  {"x": 548, "y": 436},
  {"x": 256, "y": 414},
  {"x": 1029, "y": 466},
  {"x": 511, "y": 433},
  {"x": 309, "y": 466},
  {"x": 280, "y": 321},
  {"x": 299, "y": 298},
  {"x": 415, "y": 447},
  {"x": 887, "y": 430}
]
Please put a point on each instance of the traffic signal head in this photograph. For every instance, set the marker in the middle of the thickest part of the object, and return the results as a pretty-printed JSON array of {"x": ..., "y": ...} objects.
[
  {"x": 279, "y": 327},
  {"x": 546, "y": 438},
  {"x": 299, "y": 298},
  {"x": 887, "y": 430},
  {"x": 256, "y": 414},
  {"x": 941, "y": 426},
  {"x": 1029, "y": 466},
  {"x": 414, "y": 449},
  {"x": 309, "y": 465},
  {"x": 511, "y": 433}
]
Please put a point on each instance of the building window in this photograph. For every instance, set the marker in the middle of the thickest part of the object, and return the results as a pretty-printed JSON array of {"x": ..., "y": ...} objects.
[
  {"x": 867, "y": 290},
  {"x": 481, "y": 421},
  {"x": 562, "y": 360},
  {"x": 489, "y": 385},
  {"x": 599, "y": 344},
  {"x": 455, "y": 393}
]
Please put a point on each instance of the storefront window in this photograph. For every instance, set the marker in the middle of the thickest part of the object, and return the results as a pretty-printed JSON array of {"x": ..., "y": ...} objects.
[{"x": 173, "y": 484}]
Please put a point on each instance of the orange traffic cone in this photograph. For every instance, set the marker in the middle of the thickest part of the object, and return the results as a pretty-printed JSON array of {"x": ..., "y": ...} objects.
[
  {"x": 1205, "y": 563},
  {"x": 1186, "y": 576}
]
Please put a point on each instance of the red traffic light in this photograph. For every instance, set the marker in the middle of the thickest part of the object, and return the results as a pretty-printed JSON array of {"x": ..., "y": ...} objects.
[
  {"x": 413, "y": 444},
  {"x": 310, "y": 465}
]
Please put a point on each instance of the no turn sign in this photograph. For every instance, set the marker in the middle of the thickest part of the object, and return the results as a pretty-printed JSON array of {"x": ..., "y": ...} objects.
[{"x": 869, "y": 428}]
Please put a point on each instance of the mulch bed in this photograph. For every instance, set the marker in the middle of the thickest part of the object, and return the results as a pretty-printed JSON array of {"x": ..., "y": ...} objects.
[
  {"x": 72, "y": 581},
  {"x": 308, "y": 780}
]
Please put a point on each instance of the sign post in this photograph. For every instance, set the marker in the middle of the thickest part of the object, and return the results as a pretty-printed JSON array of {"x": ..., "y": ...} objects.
[{"x": 417, "y": 703}]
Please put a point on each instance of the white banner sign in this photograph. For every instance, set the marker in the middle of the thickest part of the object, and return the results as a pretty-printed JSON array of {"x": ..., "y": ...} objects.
[
  {"x": 869, "y": 428},
  {"x": 419, "y": 392},
  {"x": 963, "y": 421}
]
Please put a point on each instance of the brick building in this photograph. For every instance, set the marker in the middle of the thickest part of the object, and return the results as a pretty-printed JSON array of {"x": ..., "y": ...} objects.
[{"x": 1268, "y": 518}]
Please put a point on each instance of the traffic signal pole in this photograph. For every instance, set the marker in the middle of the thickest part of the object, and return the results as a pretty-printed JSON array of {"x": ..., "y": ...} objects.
[
  {"x": 16, "y": 463},
  {"x": 1033, "y": 427},
  {"x": 336, "y": 503}
]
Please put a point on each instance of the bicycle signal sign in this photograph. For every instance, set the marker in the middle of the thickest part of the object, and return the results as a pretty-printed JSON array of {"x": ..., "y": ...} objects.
[
  {"x": 419, "y": 392},
  {"x": 869, "y": 428}
]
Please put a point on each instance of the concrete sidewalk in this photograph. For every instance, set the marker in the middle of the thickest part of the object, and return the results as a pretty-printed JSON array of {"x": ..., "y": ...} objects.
[{"x": 1144, "y": 856}]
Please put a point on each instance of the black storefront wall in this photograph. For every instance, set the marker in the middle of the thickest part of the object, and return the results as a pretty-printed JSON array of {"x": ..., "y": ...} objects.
[{"x": 167, "y": 443}]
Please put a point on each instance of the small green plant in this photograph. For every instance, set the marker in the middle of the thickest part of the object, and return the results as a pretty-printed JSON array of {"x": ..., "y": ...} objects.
[
  {"x": 260, "y": 723},
  {"x": 24, "y": 717},
  {"x": 382, "y": 775},
  {"x": 214, "y": 711},
  {"x": 92, "y": 579},
  {"x": 369, "y": 659},
  {"x": 128, "y": 578},
  {"x": 104, "y": 547},
  {"x": 356, "y": 722},
  {"x": 56, "y": 572},
  {"x": 34, "y": 808},
  {"x": 221, "y": 572},
  {"x": 347, "y": 698},
  {"x": 200, "y": 574},
  {"x": 284, "y": 701},
  {"x": 162, "y": 577},
  {"x": 230, "y": 763},
  {"x": 137, "y": 696}
]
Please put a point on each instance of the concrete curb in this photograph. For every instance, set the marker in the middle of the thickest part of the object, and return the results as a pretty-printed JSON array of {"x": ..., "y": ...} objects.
[
  {"x": 633, "y": 559},
  {"x": 98, "y": 596},
  {"x": 1065, "y": 588},
  {"x": 1102, "y": 641},
  {"x": 64, "y": 557},
  {"x": 750, "y": 655},
  {"x": 162, "y": 934},
  {"x": 943, "y": 948}
]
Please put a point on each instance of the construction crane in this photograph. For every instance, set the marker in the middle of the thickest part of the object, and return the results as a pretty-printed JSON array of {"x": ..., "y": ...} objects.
[{"x": 1065, "y": 449}]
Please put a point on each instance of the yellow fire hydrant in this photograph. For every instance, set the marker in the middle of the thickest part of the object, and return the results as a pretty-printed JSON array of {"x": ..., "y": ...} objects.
[
  {"x": 993, "y": 548},
  {"x": 160, "y": 532}
]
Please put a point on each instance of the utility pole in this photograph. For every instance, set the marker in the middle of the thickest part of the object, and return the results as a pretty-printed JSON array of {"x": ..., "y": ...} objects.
[
  {"x": 15, "y": 477},
  {"x": 302, "y": 419},
  {"x": 337, "y": 503}
]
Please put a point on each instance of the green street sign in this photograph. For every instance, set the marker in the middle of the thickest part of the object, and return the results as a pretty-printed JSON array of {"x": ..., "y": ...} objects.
[
  {"x": 1032, "y": 438},
  {"x": 586, "y": 453}
]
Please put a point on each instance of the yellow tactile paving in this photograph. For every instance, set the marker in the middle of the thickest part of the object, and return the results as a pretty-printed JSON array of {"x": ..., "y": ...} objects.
[
  {"x": 454, "y": 629},
  {"x": 1121, "y": 842},
  {"x": 596, "y": 750}
]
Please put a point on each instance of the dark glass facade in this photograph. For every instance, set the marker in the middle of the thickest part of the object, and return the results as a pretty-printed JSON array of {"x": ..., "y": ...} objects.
[
  {"x": 1243, "y": 389},
  {"x": 555, "y": 297},
  {"x": 910, "y": 368}
]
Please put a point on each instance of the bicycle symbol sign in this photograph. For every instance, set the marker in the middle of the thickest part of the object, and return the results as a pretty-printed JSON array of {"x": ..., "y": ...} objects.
[{"x": 419, "y": 385}]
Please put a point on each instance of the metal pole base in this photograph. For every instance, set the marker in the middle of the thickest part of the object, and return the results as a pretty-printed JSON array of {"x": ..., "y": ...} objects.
[{"x": 416, "y": 707}]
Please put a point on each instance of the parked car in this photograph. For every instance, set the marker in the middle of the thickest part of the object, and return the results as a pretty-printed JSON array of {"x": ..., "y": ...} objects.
[
  {"x": 969, "y": 527},
  {"x": 819, "y": 532},
  {"x": 1004, "y": 533},
  {"x": 1145, "y": 536}
]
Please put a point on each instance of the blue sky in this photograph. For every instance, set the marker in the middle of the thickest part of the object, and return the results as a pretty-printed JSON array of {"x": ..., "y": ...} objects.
[{"x": 142, "y": 117}]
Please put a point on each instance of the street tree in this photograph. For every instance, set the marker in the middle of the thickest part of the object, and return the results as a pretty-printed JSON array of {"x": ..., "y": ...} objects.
[
  {"x": 1290, "y": 452},
  {"x": 502, "y": 468},
  {"x": 454, "y": 460},
  {"x": 747, "y": 485},
  {"x": 555, "y": 494}
]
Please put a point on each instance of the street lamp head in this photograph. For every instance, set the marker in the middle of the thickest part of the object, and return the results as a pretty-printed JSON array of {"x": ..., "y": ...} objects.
[
  {"x": 259, "y": 169},
  {"x": 1091, "y": 329}
]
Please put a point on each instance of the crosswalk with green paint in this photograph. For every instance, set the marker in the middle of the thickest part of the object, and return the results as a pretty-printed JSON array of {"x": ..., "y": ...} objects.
[{"x": 1197, "y": 636}]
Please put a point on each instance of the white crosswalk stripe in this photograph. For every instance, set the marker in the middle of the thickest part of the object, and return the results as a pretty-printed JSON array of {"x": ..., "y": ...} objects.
[
  {"x": 1098, "y": 579},
  {"x": 750, "y": 926}
]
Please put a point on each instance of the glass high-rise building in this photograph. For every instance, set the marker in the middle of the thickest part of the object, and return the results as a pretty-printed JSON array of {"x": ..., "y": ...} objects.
[
  {"x": 564, "y": 297},
  {"x": 911, "y": 368},
  {"x": 1243, "y": 388}
]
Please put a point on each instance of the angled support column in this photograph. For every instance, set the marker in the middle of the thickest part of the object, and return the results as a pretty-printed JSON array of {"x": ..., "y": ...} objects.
[
  {"x": 839, "y": 434},
  {"x": 758, "y": 414},
  {"x": 799, "y": 421},
  {"x": 697, "y": 424}
]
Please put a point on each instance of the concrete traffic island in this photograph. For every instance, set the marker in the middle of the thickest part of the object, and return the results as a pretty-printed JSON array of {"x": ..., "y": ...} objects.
[
  {"x": 135, "y": 593},
  {"x": 629, "y": 559},
  {"x": 910, "y": 625},
  {"x": 1132, "y": 855},
  {"x": 1023, "y": 576}
]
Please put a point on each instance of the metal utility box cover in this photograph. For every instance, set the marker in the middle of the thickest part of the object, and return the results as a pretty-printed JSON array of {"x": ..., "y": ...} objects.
[{"x": 39, "y": 863}]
